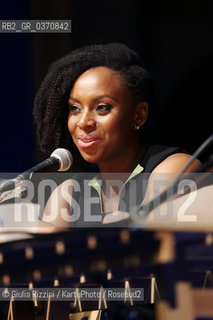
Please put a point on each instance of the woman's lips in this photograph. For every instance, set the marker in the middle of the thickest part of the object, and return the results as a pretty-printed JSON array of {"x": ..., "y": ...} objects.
[{"x": 87, "y": 141}]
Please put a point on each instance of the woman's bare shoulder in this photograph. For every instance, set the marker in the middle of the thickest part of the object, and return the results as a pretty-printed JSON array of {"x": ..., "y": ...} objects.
[{"x": 175, "y": 163}]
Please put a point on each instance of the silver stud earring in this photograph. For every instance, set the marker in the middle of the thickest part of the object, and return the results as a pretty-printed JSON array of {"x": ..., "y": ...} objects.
[{"x": 136, "y": 126}]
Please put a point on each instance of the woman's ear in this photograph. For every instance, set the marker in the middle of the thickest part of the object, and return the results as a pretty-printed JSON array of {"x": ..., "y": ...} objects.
[{"x": 141, "y": 114}]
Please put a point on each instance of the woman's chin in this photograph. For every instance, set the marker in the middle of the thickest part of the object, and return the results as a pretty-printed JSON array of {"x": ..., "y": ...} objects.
[{"x": 90, "y": 158}]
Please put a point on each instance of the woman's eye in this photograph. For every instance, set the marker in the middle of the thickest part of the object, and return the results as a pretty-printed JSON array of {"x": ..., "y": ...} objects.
[
  {"x": 103, "y": 107},
  {"x": 74, "y": 108}
]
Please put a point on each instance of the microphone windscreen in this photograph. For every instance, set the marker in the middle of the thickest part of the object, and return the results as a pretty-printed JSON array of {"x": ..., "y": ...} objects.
[{"x": 65, "y": 157}]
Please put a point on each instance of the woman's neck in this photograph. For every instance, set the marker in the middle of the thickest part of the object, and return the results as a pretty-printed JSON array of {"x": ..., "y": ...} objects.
[{"x": 125, "y": 164}]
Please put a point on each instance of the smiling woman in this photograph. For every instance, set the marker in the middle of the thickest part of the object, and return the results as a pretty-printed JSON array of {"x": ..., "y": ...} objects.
[
  {"x": 94, "y": 102},
  {"x": 99, "y": 107}
]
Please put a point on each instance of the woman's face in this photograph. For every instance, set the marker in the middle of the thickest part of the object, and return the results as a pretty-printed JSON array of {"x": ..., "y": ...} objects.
[{"x": 102, "y": 116}]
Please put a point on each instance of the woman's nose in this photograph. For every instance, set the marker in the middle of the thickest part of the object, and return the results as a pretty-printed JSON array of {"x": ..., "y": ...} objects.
[{"x": 87, "y": 121}]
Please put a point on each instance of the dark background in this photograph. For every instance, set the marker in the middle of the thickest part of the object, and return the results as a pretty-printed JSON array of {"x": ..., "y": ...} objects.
[{"x": 174, "y": 38}]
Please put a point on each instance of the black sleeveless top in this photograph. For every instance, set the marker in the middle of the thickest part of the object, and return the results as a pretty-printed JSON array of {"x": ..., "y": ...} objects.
[{"x": 88, "y": 207}]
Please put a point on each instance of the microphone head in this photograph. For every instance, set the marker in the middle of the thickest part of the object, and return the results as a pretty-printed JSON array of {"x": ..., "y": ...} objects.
[{"x": 65, "y": 157}]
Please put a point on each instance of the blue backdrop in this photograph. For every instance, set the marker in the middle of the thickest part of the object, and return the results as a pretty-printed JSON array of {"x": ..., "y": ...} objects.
[{"x": 16, "y": 128}]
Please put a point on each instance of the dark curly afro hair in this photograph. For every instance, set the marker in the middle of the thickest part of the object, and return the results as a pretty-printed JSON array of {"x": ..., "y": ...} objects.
[{"x": 51, "y": 102}]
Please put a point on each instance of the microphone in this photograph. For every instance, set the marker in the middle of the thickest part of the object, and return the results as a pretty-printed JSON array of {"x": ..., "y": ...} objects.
[{"x": 60, "y": 160}]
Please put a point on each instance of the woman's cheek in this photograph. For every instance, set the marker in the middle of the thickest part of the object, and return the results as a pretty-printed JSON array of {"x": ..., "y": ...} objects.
[{"x": 71, "y": 126}]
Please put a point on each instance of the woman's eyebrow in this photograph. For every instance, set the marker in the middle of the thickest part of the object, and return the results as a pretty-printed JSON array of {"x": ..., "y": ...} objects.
[
  {"x": 74, "y": 99},
  {"x": 96, "y": 98},
  {"x": 105, "y": 96}
]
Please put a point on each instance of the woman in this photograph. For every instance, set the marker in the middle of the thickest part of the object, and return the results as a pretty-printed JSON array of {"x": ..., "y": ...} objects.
[{"x": 94, "y": 102}]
